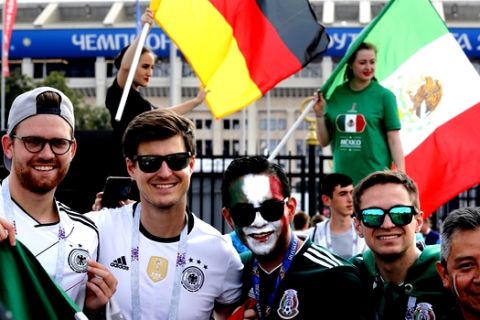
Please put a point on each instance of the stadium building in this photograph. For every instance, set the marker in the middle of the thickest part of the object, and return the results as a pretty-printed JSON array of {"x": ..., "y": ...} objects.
[{"x": 82, "y": 38}]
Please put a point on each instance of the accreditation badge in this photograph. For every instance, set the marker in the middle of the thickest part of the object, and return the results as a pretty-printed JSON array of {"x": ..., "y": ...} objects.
[{"x": 157, "y": 268}]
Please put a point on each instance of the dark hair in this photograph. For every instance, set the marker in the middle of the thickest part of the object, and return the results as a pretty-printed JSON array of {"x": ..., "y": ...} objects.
[
  {"x": 316, "y": 219},
  {"x": 384, "y": 177},
  {"x": 462, "y": 219},
  {"x": 117, "y": 62},
  {"x": 331, "y": 181},
  {"x": 251, "y": 165},
  {"x": 348, "y": 75},
  {"x": 300, "y": 220},
  {"x": 159, "y": 124}
]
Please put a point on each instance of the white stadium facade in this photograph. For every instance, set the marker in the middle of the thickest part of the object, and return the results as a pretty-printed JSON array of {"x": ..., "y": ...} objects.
[{"x": 81, "y": 39}]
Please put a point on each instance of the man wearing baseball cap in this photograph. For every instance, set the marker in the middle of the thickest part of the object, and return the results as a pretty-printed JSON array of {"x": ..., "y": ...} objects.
[{"x": 38, "y": 148}]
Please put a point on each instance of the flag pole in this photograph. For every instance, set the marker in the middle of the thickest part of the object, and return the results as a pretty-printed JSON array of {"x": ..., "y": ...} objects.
[
  {"x": 295, "y": 125},
  {"x": 2, "y": 106},
  {"x": 131, "y": 72}
]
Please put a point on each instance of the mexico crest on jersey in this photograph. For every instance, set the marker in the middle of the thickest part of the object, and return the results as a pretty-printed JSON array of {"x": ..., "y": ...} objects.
[
  {"x": 288, "y": 306},
  {"x": 424, "y": 311}
]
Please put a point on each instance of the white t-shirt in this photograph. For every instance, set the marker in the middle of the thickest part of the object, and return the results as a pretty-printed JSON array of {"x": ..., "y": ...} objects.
[
  {"x": 321, "y": 234},
  {"x": 81, "y": 242},
  {"x": 212, "y": 272}
]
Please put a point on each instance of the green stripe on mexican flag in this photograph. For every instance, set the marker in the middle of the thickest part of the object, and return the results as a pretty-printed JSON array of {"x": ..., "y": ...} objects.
[
  {"x": 438, "y": 95},
  {"x": 26, "y": 290}
]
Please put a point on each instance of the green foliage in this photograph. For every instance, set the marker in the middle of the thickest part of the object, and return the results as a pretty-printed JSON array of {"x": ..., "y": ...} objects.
[
  {"x": 56, "y": 79},
  {"x": 15, "y": 85},
  {"x": 86, "y": 116}
]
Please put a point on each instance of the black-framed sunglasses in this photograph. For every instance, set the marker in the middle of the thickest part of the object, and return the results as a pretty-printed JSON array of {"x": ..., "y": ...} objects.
[
  {"x": 35, "y": 144},
  {"x": 401, "y": 215},
  {"x": 243, "y": 214},
  {"x": 152, "y": 163}
]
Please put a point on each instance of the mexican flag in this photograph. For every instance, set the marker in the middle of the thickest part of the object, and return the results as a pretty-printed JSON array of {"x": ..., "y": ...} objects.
[
  {"x": 438, "y": 96},
  {"x": 26, "y": 290}
]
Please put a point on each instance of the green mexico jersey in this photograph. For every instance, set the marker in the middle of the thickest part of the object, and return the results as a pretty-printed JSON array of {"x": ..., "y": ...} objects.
[
  {"x": 358, "y": 122},
  {"x": 312, "y": 288},
  {"x": 421, "y": 296}
]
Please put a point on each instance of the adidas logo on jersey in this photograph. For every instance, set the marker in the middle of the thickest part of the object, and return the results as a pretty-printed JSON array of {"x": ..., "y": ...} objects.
[{"x": 120, "y": 263}]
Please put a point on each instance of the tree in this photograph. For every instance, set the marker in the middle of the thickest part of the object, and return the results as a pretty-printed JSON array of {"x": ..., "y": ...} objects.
[
  {"x": 86, "y": 116},
  {"x": 15, "y": 84}
]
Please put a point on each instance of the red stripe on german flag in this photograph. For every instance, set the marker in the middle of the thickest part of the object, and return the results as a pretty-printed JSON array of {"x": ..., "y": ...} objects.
[{"x": 241, "y": 49}]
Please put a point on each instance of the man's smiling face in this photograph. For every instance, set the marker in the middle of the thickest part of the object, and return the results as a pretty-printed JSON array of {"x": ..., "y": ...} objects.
[{"x": 261, "y": 236}]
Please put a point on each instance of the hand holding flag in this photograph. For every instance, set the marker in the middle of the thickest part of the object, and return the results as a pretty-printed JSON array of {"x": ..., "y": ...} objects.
[{"x": 147, "y": 20}]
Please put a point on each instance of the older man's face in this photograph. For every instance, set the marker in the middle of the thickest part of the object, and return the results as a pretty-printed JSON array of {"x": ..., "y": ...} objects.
[{"x": 462, "y": 274}]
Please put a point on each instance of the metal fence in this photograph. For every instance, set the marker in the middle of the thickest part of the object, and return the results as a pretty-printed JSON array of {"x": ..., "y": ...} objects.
[
  {"x": 204, "y": 196},
  {"x": 92, "y": 162}
]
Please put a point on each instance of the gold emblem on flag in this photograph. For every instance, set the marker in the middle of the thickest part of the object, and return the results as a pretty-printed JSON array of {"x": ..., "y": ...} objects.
[
  {"x": 157, "y": 268},
  {"x": 426, "y": 97}
]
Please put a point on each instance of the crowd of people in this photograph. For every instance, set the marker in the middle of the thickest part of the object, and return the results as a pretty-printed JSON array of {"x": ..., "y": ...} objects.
[
  {"x": 155, "y": 259},
  {"x": 156, "y": 249}
]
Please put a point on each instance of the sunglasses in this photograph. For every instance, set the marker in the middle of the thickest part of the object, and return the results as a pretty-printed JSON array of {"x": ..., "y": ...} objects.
[
  {"x": 243, "y": 214},
  {"x": 175, "y": 161},
  {"x": 400, "y": 215}
]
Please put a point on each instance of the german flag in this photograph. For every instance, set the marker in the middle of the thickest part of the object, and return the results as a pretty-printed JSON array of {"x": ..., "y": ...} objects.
[{"x": 240, "y": 49}]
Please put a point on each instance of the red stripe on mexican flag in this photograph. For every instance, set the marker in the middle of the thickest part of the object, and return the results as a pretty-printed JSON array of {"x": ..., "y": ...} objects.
[{"x": 438, "y": 97}]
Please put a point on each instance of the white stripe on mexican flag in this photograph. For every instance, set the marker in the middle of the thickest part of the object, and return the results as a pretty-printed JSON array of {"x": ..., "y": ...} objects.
[{"x": 438, "y": 96}]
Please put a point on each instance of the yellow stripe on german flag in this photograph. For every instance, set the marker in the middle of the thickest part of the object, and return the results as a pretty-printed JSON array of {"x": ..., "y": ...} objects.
[{"x": 240, "y": 49}]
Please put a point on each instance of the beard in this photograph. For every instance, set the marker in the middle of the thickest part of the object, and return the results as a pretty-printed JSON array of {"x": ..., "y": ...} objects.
[{"x": 41, "y": 185}]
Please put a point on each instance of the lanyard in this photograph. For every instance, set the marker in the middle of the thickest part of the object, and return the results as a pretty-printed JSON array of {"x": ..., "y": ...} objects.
[
  {"x": 8, "y": 207},
  {"x": 328, "y": 238},
  {"x": 287, "y": 261},
  {"x": 135, "y": 275}
]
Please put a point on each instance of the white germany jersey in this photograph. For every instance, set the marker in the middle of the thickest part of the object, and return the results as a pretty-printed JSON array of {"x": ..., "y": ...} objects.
[
  {"x": 212, "y": 272},
  {"x": 80, "y": 245}
]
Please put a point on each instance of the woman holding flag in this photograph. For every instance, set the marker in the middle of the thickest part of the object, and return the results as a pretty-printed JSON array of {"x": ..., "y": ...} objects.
[
  {"x": 136, "y": 103},
  {"x": 360, "y": 120}
]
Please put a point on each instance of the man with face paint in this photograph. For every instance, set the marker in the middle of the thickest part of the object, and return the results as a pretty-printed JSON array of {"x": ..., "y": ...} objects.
[
  {"x": 283, "y": 272},
  {"x": 459, "y": 266},
  {"x": 400, "y": 279}
]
